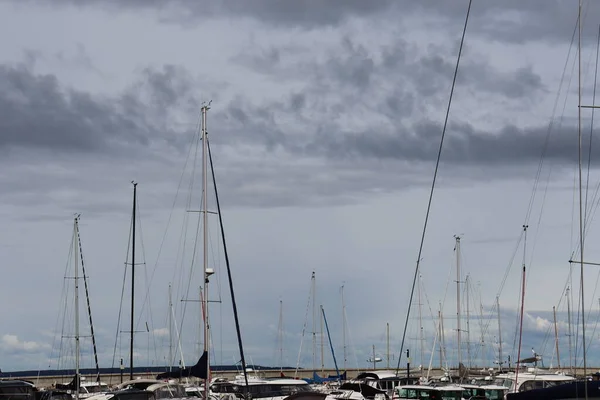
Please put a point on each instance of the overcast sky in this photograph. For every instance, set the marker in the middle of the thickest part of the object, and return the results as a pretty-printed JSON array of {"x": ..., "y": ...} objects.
[{"x": 325, "y": 123}]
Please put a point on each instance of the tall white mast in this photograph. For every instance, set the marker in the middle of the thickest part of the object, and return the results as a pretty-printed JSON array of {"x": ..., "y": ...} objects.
[
  {"x": 77, "y": 378},
  {"x": 443, "y": 334},
  {"x": 481, "y": 338},
  {"x": 132, "y": 318},
  {"x": 457, "y": 249},
  {"x": 280, "y": 335},
  {"x": 207, "y": 272},
  {"x": 440, "y": 340},
  {"x": 556, "y": 338},
  {"x": 468, "y": 322},
  {"x": 581, "y": 241}
]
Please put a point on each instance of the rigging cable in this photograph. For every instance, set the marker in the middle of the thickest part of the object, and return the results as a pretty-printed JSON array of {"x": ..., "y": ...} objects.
[
  {"x": 181, "y": 250},
  {"x": 117, "y": 336},
  {"x": 522, "y": 307},
  {"x": 195, "y": 244},
  {"x": 581, "y": 239},
  {"x": 545, "y": 147},
  {"x": 437, "y": 164},
  {"x": 233, "y": 304},
  {"x": 587, "y": 183},
  {"x": 551, "y": 125},
  {"x": 87, "y": 296},
  {"x": 588, "y": 168},
  {"x": 60, "y": 317},
  {"x": 302, "y": 335},
  {"x": 147, "y": 298}
]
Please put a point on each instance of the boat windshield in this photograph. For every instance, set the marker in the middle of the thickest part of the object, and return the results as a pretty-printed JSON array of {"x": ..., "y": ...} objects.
[
  {"x": 494, "y": 394},
  {"x": 507, "y": 383}
]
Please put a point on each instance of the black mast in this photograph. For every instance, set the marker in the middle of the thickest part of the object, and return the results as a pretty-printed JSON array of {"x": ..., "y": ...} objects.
[{"x": 132, "y": 278}]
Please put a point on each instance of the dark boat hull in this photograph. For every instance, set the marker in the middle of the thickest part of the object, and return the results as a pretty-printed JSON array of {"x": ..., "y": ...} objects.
[{"x": 565, "y": 391}]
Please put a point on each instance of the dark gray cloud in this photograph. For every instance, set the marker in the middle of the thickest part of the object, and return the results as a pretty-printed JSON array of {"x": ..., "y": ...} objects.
[
  {"x": 513, "y": 20},
  {"x": 362, "y": 72},
  {"x": 306, "y": 125},
  {"x": 306, "y": 13},
  {"x": 389, "y": 85},
  {"x": 36, "y": 111},
  {"x": 409, "y": 142}
]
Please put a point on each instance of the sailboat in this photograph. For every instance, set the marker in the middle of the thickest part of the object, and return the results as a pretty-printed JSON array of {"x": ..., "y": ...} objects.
[
  {"x": 76, "y": 386},
  {"x": 144, "y": 388},
  {"x": 201, "y": 369}
]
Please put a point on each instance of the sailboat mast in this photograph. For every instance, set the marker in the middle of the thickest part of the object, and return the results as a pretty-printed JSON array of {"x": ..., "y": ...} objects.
[
  {"x": 87, "y": 297},
  {"x": 468, "y": 322},
  {"x": 581, "y": 241},
  {"x": 570, "y": 329},
  {"x": 335, "y": 364},
  {"x": 445, "y": 353},
  {"x": 481, "y": 338},
  {"x": 132, "y": 278},
  {"x": 205, "y": 250},
  {"x": 344, "y": 326},
  {"x": 457, "y": 249},
  {"x": 524, "y": 281},
  {"x": 500, "y": 362},
  {"x": 314, "y": 322},
  {"x": 322, "y": 344},
  {"x": 170, "y": 329},
  {"x": 201, "y": 321},
  {"x": 556, "y": 337},
  {"x": 76, "y": 267},
  {"x": 374, "y": 359},
  {"x": 280, "y": 334},
  {"x": 440, "y": 339},
  {"x": 387, "y": 336},
  {"x": 421, "y": 339}
]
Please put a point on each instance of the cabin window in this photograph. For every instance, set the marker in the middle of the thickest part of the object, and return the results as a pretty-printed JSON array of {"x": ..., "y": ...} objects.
[
  {"x": 409, "y": 394},
  {"x": 134, "y": 396},
  {"x": 163, "y": 393},
  {"x": 507, "y": 383},
  {"x": 448, "y": 395},
  {"x": 530, "y": 385},
  {"x": 427, "y": 394},
  {"x": 263, "y": 390},
  {"x": 494, "y": 394}
]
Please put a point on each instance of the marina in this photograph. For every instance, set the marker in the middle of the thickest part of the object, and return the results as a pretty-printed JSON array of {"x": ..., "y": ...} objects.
[{"x": 321, "y": 201}]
